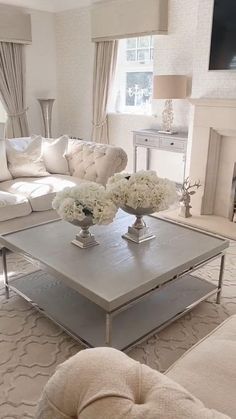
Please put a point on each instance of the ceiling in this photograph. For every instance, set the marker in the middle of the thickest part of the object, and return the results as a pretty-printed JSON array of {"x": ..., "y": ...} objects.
[{"x": 49, "y": 5}]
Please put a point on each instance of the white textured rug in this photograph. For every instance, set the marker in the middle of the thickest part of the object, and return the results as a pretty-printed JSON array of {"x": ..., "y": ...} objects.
[{"x": 31, "y": 346}]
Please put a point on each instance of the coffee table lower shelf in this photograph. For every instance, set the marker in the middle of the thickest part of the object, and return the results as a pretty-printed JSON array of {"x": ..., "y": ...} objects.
[{"x": 86, "y": 321}]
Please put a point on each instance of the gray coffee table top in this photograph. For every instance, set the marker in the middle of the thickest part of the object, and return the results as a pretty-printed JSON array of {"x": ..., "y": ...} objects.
[{"x": 116, "y": 271}]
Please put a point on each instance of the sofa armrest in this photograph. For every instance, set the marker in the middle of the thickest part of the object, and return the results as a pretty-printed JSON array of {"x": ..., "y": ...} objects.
[
  {"x": 95, "y": 162},
  {"x": 208, "y": 369}
]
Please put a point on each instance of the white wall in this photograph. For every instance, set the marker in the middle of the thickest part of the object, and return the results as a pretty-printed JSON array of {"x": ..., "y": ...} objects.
[
  {"x": 59, "y": 63},
  {"x": 173, "y": 54},
  {"x": 75, "y": 72},
  {"x": 41, "y": 71},
  {"x": 2, "y": 114},
  {"x": 217, "y": 84}
]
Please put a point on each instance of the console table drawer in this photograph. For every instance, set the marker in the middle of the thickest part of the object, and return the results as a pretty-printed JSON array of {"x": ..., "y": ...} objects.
[
  {"x": 146, "y": 141},
  {"x": 152, "y": 139},
  {"x": 172, "y": 144}
]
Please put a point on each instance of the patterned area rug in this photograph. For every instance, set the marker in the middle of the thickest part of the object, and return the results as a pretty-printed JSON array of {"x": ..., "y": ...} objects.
[{"x": 31, "y": 346}]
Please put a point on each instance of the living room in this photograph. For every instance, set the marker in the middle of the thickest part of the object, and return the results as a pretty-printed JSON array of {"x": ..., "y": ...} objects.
[{"x": 109, "y": 87}]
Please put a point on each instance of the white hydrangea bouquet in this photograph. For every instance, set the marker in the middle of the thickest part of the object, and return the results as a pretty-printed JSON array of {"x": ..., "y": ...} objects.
[
  {"x": 85, "y": 205},
  {"x": 140, "y": 194}
]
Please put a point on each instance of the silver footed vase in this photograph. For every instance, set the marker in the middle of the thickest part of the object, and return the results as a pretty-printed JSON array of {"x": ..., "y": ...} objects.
[
  {"x": 84, "y": 238},
  {"x": 138, "y": 232},
  {"x": 46, "y": 108}
]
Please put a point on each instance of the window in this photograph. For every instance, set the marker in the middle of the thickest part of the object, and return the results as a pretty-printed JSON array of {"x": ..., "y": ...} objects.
[{"x": 132, "y": 91}]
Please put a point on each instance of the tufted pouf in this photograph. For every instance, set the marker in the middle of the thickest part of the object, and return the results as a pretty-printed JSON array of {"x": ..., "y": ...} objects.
[{"x": 104, "y": 383}]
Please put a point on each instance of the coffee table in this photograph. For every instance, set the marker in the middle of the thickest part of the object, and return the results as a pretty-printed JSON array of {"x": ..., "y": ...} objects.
[{"x": 118, "y": 293}]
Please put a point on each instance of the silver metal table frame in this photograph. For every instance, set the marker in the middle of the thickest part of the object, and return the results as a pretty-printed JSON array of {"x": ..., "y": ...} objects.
[{"x": 110, "y": 315}]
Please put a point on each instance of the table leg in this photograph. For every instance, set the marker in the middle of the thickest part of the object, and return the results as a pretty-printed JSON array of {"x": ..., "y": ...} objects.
[
  {"x": 5, "y": 275},
  {"x": 108, "y": 329},
  {"x": 220, "y": 282}
]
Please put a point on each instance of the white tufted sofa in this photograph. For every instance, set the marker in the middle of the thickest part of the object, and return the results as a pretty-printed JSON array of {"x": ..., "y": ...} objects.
[
  {"x": 104, "y": 383},
  {"x": 95, "y": 162},
  {"x": 28, "y": 201}
]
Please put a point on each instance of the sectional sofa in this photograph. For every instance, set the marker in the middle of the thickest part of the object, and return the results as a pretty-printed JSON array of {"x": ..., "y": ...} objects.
[{"x": 27, "y": 200}]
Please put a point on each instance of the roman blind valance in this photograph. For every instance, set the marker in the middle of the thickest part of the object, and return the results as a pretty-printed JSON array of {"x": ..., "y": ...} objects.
[
  {"x": 126, "y": 18},
  {"x": 15, "y": 27}
]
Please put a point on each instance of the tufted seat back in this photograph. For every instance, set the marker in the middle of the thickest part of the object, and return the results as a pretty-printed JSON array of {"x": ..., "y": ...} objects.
[
  {"x": 104, "y": 383},
  {"x": 95, "y": 162}
]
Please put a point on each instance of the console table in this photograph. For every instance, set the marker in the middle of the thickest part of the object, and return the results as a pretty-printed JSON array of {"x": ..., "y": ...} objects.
[{"x": 151, "y": 138}]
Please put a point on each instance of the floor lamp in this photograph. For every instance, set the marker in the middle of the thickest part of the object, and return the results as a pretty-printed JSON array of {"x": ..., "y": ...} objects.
[
  {"x": 46, "y": 108},
  {"x": 169, "y": 87}
]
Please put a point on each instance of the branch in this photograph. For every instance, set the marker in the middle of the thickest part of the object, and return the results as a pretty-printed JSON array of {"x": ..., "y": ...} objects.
[{"x": 187, "y": 185}]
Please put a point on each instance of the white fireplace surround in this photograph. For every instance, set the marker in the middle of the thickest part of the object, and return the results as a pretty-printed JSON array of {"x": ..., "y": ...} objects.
[{"x": 212, "y": 154}]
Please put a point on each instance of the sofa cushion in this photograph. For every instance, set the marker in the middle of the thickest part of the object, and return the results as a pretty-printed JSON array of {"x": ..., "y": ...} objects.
[
  {"x": 95, "y": 162},
  {"x": 104, "y": 383},
  {"x": 54, "y": 155},
  {"x": 28, "y": 162},
  {"x": 4, "y": 171},
  {"x": 53, "y": 151},
  {"x": 21, "y": 143},
  {"x": 208, "y": 370},
  {"x": 12, "y": 206},
  {"x": 40, "y": 191}
]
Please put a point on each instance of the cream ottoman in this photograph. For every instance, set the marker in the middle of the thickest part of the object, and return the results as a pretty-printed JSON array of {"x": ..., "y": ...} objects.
[{"x": 104, "y": 383}]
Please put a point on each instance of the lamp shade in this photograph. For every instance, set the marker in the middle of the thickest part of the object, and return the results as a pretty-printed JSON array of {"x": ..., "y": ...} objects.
[{"x": 169, "y": 87}]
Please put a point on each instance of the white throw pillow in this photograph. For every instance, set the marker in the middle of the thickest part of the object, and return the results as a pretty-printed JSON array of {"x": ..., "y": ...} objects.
[
  {"x": 21, "y": 143},
  {"x": 4, "y": 172},
  {"x": 54, "y": 152},
  {"x": 28, "y": 162}
]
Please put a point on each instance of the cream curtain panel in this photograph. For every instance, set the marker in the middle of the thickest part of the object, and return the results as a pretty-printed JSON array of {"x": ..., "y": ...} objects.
[
  {"x": 104, "y": 69},
  {"x": 12, "y": 89}
]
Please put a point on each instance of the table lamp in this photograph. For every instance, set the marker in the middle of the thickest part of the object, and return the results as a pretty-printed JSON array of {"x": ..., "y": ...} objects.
[{"x": 169, "y": 87}]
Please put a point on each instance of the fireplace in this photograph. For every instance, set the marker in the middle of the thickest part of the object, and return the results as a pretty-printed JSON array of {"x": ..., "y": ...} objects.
[
  {"x": 232, "y": 203},
  {"x": 211, "y": 156}
]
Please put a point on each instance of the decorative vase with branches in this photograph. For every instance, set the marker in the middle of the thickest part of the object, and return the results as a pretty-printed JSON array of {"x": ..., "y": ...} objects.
[{"x": 187, "y": 190}]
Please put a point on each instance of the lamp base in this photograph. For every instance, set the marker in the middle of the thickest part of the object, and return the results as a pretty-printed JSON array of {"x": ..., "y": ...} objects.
[
  {"x": 167, "y": 132},
  {"x": 167, "y": 117}
]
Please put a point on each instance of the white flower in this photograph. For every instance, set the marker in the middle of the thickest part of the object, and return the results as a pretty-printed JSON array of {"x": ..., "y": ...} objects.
[
  {"x": 143, "y": 189},
  {"x": 104, "y": 212},
  {"x": 78, "y": 213},
  {"x": 89, "y": 198},
  {"x": 66, "y": 209},
  {"x": 118, "y": 191},
  {"x": 117, "y": 177}
]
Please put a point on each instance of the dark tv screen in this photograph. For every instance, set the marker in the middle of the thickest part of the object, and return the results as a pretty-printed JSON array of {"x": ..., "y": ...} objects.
[{"x": 223, "y": 38}]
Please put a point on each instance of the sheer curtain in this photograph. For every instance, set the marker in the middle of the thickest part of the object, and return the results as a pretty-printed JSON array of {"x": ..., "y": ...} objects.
[
  {"x": 12, "y": 79},
  {"x": 104, "y": 69}
]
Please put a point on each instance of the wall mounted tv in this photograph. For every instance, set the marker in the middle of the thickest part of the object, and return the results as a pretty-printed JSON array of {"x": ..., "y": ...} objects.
[{"x": 223, "y": 38}]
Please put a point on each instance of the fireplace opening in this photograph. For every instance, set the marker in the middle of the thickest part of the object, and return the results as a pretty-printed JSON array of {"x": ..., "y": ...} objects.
[{"x": 232, "y": 205}]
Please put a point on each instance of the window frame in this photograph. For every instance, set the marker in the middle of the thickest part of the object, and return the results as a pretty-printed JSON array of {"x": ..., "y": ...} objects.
[{"x": 123, "y": 67}]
